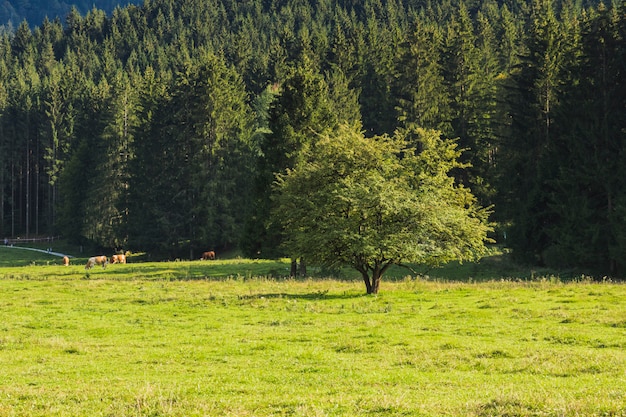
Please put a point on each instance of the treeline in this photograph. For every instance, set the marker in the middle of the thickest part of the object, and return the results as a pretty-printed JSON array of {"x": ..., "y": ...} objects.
[
  {"x": 160, "y": 127},
  {"x": 13, "y": 12}
]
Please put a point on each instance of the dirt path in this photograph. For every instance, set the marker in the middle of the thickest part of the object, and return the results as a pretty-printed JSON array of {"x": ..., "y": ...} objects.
[{"x": 41, "y": 250}]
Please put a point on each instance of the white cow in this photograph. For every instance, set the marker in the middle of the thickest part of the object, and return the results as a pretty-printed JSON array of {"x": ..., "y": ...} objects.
[{"x": 97, "y": 260}]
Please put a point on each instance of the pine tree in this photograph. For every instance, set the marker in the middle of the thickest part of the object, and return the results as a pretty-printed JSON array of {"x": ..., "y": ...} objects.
[
  {"x": 509, "y": 36},
  {"x": 300, "y": 112},
  {"x": 153, "y": 172},
  {"x": 378, "y": 108},
  {"x": 532, "y": 102},
  {"x": 56, "y": 134},
  {"x": 24, "y": 90},
  {"x": 486, "y": 117},
  {"x": 588, "y": 148},
  {"x": 159, "y": 185},
  {"x": 461, "y": 69},
  {"x": 195, "y": 150},
  {"x": 107, "y": 207},
  {"x": 5, "y": 155},
  {"x": 420, "y": 90},
  {"x": 223, "y": 157},
  {"x": 68, "y": 103}
]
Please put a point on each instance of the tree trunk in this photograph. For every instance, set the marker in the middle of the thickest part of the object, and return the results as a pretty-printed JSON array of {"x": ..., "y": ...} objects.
[
  {"x": 366, "y": 280},
  {"x": 294, "y": 268},
  {"x": 12, "y": 198},
  {"x": 376, "y": 277},
  {"x": 2, "y": 187},
  {"x": 612, "y": 260},
  {"x": 27, "y": 188},
  {"x": 302, "y": 268},
  {"x": 372, "y": 284}
]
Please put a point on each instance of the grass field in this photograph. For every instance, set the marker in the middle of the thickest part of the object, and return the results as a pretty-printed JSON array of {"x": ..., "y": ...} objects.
[{"x": 232, "y": 338}]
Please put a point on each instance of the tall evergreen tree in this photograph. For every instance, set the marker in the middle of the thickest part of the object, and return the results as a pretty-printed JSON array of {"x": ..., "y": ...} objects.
[
  {"x": 196, "y": 152},
  {"x": 471, "y": 72},
  {"x": 57, "y": 132},
  {"x": 588, "y": 148},
  {"x": 107, "y": 208},
  {"x": 75, "y": 127},
  {"x": 223, "y": 158},
  {"x": 378, "y": 108},
  {"x": 301, "y": 111},
  {"x": 5, "y": 156},
  {"x": 153, "y": 174},
  {"x": 461, "y": 69},
  {"x": 420, "y": 90},
  {"x": 486, "y": 117},
  {"x": 510, "y": 38},
  {"x": 25, "y": 87},
  {"x": 532, "y": 103}
]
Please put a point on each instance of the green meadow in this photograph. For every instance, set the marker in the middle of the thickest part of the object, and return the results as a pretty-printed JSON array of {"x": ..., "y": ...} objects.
[{"x": 235, "y": 337}]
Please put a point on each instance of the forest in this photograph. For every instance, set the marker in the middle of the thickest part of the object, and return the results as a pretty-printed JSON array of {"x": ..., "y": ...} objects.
[
  {"x": 160, "y": 127},
  {"x": 13, "y": 12}
]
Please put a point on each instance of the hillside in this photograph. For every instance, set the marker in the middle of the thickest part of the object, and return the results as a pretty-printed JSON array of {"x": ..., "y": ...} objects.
[{"x": 13, "y": 12}]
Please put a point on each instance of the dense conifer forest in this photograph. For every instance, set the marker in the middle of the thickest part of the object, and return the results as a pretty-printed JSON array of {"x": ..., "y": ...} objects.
[
  {"x": 13, "y": 12},
  {"x": 159, "y": 126}
]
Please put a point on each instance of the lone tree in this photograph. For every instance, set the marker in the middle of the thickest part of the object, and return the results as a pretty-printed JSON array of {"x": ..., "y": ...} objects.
[{"x": 370, "y": 203}]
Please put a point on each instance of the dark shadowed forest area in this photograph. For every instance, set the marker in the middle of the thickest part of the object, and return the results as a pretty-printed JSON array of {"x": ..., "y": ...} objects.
[{"x": 160, "y": 126}]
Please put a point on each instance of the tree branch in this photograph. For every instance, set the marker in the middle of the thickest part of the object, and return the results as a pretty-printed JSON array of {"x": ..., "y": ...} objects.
[{"x": 410, "y": 269}]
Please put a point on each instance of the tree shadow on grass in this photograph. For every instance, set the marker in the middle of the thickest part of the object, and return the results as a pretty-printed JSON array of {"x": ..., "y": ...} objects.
[{"x": 316, "y": 295}]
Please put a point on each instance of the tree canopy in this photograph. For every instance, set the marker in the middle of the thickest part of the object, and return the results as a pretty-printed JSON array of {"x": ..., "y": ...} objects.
[{"x": 370, "y": 203}]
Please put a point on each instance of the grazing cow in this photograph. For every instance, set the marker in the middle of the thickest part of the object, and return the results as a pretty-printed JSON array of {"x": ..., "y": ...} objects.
[
  {"x": 66, "y": 261},
  {"x": 97, "y": 260},
  {"x": 118, "y": 258},
  {"x": 208, "y": 255}
]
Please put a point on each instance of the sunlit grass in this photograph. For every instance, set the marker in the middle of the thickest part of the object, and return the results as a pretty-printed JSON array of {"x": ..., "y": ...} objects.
[
  {"x": 232, "y": 338},
  {"x": 497, "y": 265}
]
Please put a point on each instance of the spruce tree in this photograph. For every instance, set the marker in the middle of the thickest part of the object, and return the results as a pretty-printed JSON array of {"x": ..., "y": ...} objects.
[
  {"x": 588, "y": 148},
  {"x": 532, "y": 102},
  {"x": 422, "y": 99},
  {"x": 300, "y": 112}
]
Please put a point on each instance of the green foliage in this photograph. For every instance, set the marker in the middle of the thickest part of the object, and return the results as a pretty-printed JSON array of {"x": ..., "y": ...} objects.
[
  {"x": 422, "y": 97},
  {"x": 162, "y": 125},
  {"x": 373, "y": 203},
  {"x": 197, "y": 153},
  {"x": 587, "y": 196},
  {"x": 301, "y": 108},
  {"x": 533, "y": 101},
  {"x": 12, "y": 12},
  {"x": 562, "y": 171}
]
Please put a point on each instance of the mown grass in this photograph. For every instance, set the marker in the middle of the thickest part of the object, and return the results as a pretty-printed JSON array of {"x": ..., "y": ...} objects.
[{"x": 229, "y": 338}]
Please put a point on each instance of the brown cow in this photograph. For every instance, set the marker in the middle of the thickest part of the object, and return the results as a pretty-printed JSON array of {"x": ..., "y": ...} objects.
[
  {"x": 97, "y": 260},
  {"x": 208, "y": 255},
  {"x": 118, "y": 258},
  {"x": 66, "y": 261}
]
